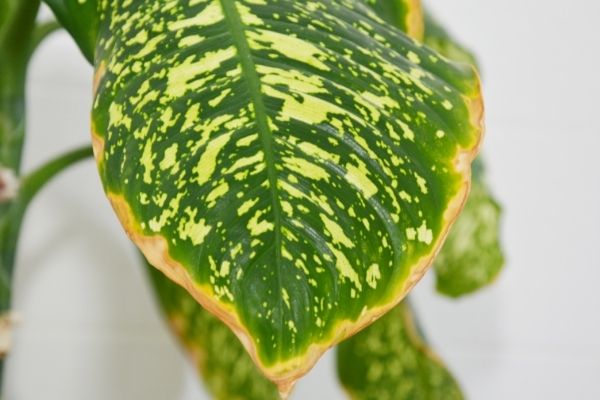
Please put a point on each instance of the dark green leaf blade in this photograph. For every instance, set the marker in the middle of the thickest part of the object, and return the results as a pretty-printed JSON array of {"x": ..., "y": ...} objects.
[
  {"x": 226, "y": 368},
  {"x": 391, "y": 361},
  {"x": 282, "y": 161},
  {"x": 80, "y": 19}
]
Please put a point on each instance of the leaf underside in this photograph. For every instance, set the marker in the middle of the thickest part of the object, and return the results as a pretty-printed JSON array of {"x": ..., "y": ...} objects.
[
  {"x": 293, "y": 165},
  {"x": 390, "y": 360}
]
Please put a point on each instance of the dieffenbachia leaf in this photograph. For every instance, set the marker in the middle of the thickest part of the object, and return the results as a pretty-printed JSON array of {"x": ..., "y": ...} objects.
[
  {"x": 225, "y": 366},
  {"x": 406, "y": 15},
  {"x": 294, "y": 165},
  {"x": 80, "y": 19},
  {"x": 390, "y": 360},
  {"x": 472, "y": 256},
  {"x": 439, "y": 39}
]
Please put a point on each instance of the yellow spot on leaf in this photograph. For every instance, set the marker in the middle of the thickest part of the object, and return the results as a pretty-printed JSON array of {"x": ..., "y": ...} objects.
[
  {"x": 318, "y": 153},
  {"x": 208, "y": 161},
  {"x": 246, "y": 206},
  {"x": 422, "y": 183},
  {"x": 147, "y": 161},
  {"x": 181, "y": 77},
  {"x": 217, "y": 100},
  {"x": 257, "y": 228},
  {"x": 425, "y": 234},
  {"x": 224, "y": 270},
  {"x": 191, "y": 116},
  {"x": 336, "y": 231},
  {"x": 305, "y": 168},
  {"x": 217, "y": 193},
  {"x": 359, "y": 179},
  {"x": 245, "y": 162},
  {"x": 447, "y": 105},
  {"x": 286, "y": 297},
  {"x": 247, "y": 17},
  {"x": 345, "y": 268},
  {"x": 210, "y": 15},
  {"x": 373, "y": 275},
  {"x": 290, "y": 46},
  {"x": 413, "y": 57},
  {"x": 192, "y": 230},
  {"x": 170, "y": 157},
  {"x": 191, "y": 40},
  {"x": 247, "y": 140}
]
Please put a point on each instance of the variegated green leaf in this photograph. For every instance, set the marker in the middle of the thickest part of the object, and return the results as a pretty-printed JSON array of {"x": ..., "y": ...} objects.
[
  {"x": 390, "y": 360},
  {"x": 439, "y": 39},
  {"x": 471, "y": 257},
  {"x": 225, "y": 366},
  {"x": 294, "y": 165},
  {"x": 80, "y": 18},
  {"x": 407, "y": 15}
]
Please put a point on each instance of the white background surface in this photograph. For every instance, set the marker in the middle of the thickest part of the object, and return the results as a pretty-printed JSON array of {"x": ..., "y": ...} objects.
[{"x": 89, "y": 330}]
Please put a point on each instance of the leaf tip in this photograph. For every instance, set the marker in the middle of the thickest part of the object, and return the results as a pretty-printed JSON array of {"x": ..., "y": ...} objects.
[{"x": 285, "y": 388}]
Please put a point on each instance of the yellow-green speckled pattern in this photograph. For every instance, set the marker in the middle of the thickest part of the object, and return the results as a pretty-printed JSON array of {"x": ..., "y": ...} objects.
[
  {"x": 226, "y": 368},
  {"x": 297, "y": 158},
  {"x": 391, "y": 361},
  {"x": 407, "y": 15}
]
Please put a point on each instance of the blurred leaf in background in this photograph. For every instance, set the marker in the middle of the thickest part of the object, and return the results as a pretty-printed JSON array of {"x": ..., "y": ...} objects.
[
  {"x": 390, "y": 360},
  {"x": 472, "y": 256},
  {"x": 225, "y": 366}
]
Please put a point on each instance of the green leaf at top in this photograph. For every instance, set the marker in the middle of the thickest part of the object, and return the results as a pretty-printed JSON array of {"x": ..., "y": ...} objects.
[
  {"x": 294, "y": 165},
  {"x": 225, "y": 366},
  {"x": 80, "y": 18},
  {"x": 390, "y": 360},
  {"x": 406, "y": 15}
]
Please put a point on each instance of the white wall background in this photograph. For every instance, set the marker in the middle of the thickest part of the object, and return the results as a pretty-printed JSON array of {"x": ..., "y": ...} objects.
[{"x": 89, "y": 330}]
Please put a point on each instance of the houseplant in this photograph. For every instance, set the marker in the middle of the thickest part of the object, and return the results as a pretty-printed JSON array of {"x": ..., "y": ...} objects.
[{"x": 239, "y": 140}]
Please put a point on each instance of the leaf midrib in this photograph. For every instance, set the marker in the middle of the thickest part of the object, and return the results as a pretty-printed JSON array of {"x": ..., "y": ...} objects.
[{"x": 236, "y": 27}]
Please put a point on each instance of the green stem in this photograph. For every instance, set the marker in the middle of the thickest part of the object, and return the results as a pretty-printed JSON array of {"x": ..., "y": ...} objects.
[
  {"x": 12, "y": 131},
  {"x": 42, "y": 31},
  {"x": 10, "y": 223},
  {"x": 16, "y": 34},
  {"x": 11, "y": 219},
  {"x": 15, "y": 38},
  {"x": 36, "y": 180},
  {"x": 19, "y": 36}
]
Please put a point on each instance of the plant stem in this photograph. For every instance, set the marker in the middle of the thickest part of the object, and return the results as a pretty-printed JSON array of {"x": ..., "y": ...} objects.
[
  {"x": 10, "y": 223},
  {"x": 18, "y": 39},
  {"x": 16, "y": 33},
  {"x": 42, "y": 31},
  {"x": 10, "y": 227}
]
